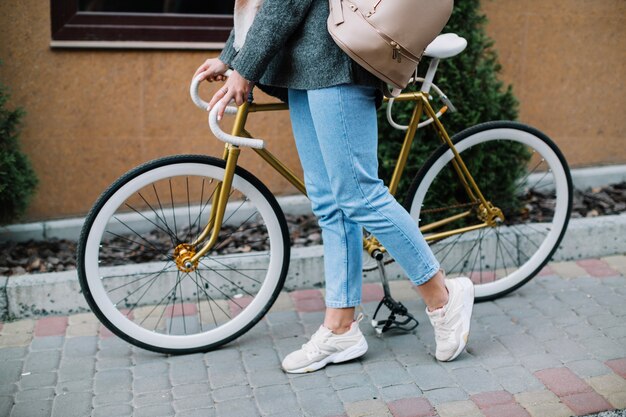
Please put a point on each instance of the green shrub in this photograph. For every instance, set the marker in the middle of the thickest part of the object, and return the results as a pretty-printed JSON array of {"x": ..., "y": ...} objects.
[
  {"x": 470, "y": 81},
  {"x": 17, "y": 178}
]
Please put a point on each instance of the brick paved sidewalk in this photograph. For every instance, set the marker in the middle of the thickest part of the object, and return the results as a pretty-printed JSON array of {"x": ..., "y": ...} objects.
[{"x": 555, "y": 347}]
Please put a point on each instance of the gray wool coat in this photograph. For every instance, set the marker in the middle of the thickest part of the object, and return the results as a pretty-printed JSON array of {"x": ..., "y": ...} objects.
[{"x": 288, "y": 46}]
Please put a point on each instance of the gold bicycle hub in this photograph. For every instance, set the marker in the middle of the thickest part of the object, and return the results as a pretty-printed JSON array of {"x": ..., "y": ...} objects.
[
  {"x": 491, "y": 215},
  {"x": 183, "y": 254}
]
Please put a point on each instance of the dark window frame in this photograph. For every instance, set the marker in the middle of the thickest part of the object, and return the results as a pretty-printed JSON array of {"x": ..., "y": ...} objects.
[{"x": 70, "y": 24}]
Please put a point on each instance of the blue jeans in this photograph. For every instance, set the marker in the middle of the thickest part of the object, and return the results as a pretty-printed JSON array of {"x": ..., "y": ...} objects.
[{"x": 336, "y": 135}]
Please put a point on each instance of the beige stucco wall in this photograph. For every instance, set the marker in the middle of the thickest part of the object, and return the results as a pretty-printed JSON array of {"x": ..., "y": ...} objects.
[{"x": 93, "y": 114}]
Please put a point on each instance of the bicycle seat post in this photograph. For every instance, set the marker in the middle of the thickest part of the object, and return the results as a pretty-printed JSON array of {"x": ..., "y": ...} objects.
[{"x": 430, "y": 75}]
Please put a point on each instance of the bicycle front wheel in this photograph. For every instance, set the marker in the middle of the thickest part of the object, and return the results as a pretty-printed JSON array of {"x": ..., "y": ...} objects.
[
  {"x": 532, "y": 187},
  {"x": 127, "y": 256}
]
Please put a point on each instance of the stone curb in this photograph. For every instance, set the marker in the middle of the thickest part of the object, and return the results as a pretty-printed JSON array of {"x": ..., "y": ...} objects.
[
  {"x": 582, "y": 178},
  {"x": 59, "y": 292}
]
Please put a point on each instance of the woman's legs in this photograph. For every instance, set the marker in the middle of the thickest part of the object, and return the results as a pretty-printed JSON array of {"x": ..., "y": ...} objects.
[
  {"x": 342, "y": 237},
  {"x": 345, "y": 124}
]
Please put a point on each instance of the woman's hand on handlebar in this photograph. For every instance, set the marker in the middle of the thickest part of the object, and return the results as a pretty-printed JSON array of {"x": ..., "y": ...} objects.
[
  {"x": 236, "y": 87},
  {"x": 212, "y": 70}
]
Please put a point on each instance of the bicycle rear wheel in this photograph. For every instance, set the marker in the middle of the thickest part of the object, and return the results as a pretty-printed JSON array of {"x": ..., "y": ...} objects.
[
  {"x": 535, "y": 195},
  {"x": 126, "y": 256}
]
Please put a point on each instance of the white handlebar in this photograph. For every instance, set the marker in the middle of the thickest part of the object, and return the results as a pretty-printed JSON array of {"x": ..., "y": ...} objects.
[{"x": 213, "y": 122}]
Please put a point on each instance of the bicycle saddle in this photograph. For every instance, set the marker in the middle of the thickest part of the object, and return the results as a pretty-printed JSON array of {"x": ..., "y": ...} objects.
[{"x": 446, "y": 46}]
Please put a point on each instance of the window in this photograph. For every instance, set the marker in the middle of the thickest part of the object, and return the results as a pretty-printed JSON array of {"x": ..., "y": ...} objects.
[{"x": 141, "y": 23}]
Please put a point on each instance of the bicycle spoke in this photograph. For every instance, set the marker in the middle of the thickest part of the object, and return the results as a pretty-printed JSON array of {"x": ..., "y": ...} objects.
[
  {"x": 226, "y": 279},
  {"x": 169, "y": 231}
]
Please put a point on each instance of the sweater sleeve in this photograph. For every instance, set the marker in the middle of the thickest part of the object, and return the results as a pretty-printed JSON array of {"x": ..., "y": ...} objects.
[
  {"x": 228, "y": 53},
  {"x": 272, "y": 27}
]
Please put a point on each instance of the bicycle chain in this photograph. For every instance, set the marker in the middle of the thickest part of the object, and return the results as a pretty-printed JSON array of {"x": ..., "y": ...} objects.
[{"x": 440, "y": 209}]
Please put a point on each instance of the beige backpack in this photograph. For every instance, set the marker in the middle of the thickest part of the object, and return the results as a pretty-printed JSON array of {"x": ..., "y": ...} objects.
[{"x": 387, "y": 37}]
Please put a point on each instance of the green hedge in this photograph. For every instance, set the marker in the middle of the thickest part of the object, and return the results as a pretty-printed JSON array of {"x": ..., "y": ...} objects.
[
  {"x": 471, "y": 82},
  {"x": 17, "y": 178}
]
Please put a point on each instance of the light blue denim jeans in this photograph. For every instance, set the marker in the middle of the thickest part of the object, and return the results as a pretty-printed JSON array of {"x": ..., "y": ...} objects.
[{"x": 336, "y": 135}]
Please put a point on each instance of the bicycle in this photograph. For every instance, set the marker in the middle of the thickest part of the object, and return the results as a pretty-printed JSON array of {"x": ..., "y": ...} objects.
[{"x": 186, "y": 253}]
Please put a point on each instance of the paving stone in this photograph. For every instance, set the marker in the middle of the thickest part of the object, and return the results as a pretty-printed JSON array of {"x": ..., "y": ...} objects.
[
  {"x": 154, "y": 411},
  {"x": 47, "y": 343},
  {"x": 358, "y": 393},
  {"x": 118, "y": 410},
  {"x": 562, "y": 381},
  {"x": 301, "y": 382},
  {"x": 10, "y": 371},
  {"x": 151, "y": 384},
  {"x": 42, "y": 380},
  {"x": 552, "y": 410},
  {"x": 428, "y": 377},
  {"x": 618, "y": 400},
  {"x": 474, "y": 380},
  {"x": 365, "y": 408},
  {"x": 540, "y": 361},
  {"x": 515, "y": 379},
  {"x": 108, "y": 398},
  {"x": 411, "y": 407},
  {"x": 458, "y": 409},
  {"x": 444, "y": 395},
  {"x": 12, "y": 353},
  {"x": 75, "y": 385},
  {"x": 8, "y": 389},
  {"x": 499, "y": 361},
  {"x": 586, "y": 403},
  {"x": 386, "y": 373},
  {"x": 606, "y": 385},
  {"x": 280, "y": 317},
  {"x": 151, "y": 398},
  {"x": 582, "y": 331},
  {"x": 223, "y": 377},
  {"x": 287, "y": 330},
  {"x": 241, "y": 407},
  {"x": 521, "y": 344},
  {"x": 150, "y": 369},
  {"x": 25, "y": 326},
  {"x": 72, "y": 404},
  {"x": 190, "y": 390},
  {"x": 568, "y": 269},
  {"x": 113, "y": 380},
  {"x": 193, "y": 403},
  {"x": 604, "y": 348},
  {"x": 113, "y": 363},
  {"x": 397, "y": 392},
  {"x": 230, "y": 393},
  {"x": 42, "y": 361},
  {"x": 266, "y": 399},
  {"x": 605, "y": 320},
  {"x": 618, "y": 366},
  {"x": 188, "y": 372},
  {"x": 491, "y": 398},
  {"x": 509, "y": 410},
  {"x": 588, "y": 368},
  {"x": 344, "y": 368},
  {"x": 6, "y": 404},
  {"x": 203, "y": 412},
  {"x": 260, "y": 359},
  {"x": 35, "y": 395},
  {"x": 566, "y": 350},
  {"x": 320, "y": 402},
  {"x": 349, "y": 380},
  {"x": 266, "y": 377},
  {"x": 76, "y": 368},
  {"x": 32, "y": 409},
  {"x": 80, "y": 346}
]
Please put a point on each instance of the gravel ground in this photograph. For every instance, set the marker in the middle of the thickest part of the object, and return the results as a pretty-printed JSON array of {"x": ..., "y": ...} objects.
[
  {"x": 60, "y": 255},
  {"x": 614, "y": 413}
]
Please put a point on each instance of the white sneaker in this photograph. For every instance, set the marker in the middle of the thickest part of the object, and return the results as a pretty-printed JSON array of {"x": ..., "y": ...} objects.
[
  {"x": 326, "y": 347},
  {"x": 452, "y": 322}
]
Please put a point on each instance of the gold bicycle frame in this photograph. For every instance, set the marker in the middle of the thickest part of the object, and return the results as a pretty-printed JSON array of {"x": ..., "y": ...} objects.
[{"x": 487, "y": 213}]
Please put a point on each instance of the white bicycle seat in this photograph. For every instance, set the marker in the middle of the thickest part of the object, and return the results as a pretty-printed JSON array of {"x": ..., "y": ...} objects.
[{"x": 446, "y": 46}]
